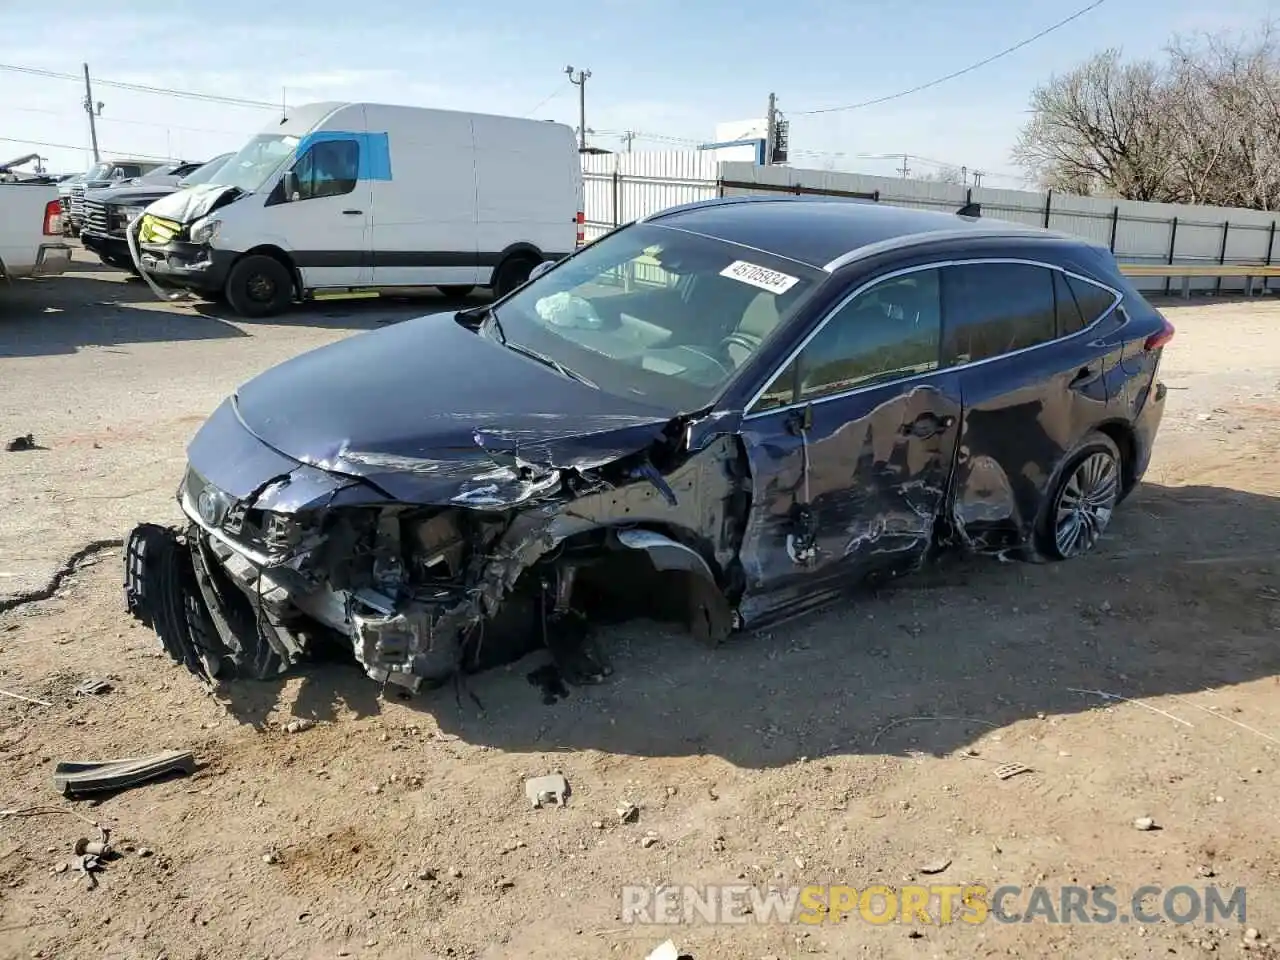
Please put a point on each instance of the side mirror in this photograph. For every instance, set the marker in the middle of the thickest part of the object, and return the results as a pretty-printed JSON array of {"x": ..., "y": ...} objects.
[
  {"x": 541, "y": 268},
  {"x": 291, "y": 186}
]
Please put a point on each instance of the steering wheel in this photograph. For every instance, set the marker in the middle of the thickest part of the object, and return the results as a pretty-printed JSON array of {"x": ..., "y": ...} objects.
[
  {"x": 719, "y": 363},
  {"x": 738, "y": 339}
]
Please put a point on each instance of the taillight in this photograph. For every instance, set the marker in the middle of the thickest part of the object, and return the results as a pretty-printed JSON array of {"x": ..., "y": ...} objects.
[
  {"x": 582, "y": 232},
  {"x": 53, "y": 218},
  {"x": 1161, "y": 336}
]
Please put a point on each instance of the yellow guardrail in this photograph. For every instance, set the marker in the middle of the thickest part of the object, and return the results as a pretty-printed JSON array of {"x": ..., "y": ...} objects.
[
  {"x": 1198, "y": 270},
  {"x": 1187, "y": 272}
]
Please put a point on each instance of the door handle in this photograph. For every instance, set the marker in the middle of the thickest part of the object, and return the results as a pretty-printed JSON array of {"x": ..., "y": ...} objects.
[
  {"x": 1083, "y": 375},
  {"x": 353, "y": 213},
  {"x": 927, "y": 425}
]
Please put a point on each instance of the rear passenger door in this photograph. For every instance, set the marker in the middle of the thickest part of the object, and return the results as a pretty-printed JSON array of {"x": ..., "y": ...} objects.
[{"x": 1031, "y": 382}]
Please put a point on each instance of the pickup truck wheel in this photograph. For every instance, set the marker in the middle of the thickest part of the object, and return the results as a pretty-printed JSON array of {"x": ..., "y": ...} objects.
[
  {"x": 511, "y": 274},
  {"x": 259, "y": 286},
  {"x": 457, "y": 289}
]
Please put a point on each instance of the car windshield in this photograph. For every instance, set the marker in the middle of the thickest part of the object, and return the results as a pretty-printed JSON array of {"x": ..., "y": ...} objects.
[
  {"x": 253, "y": 166},
  {"x": 655, "y": 313},
  {"x": 99, "y": 171},
  {"x": 206, "y": 173},
  {"x": 164, "y": 170}
]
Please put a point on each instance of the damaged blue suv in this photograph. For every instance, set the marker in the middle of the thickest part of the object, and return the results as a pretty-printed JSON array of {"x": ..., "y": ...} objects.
[{"x": 723, "y": 414}]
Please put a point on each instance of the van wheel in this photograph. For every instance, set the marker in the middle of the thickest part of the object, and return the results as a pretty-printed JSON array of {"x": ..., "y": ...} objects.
[
  {"x": 1083, "y": 500},
  {"x": 511, "y": 274},
  {"x": 259, "y": 286},
  {"x": 457, "y": 289}
]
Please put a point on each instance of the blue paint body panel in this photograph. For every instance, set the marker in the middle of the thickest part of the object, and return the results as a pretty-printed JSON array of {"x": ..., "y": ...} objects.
[{"x": 375, "y": 151}]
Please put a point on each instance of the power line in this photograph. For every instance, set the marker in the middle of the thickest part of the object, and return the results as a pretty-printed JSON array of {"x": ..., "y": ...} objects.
[
  {"x": 144, "y": 88},
  {"x": 548, "y": 98},
  {"x": 81, "y": 147},
  {"x": 136, "y": 123},
  {"x": 958, "y": 73}
]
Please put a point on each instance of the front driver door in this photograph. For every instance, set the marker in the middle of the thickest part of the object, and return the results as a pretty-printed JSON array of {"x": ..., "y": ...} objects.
[
  {"x": 851, "y": 446},
  {"x": 325, "y": 224}
]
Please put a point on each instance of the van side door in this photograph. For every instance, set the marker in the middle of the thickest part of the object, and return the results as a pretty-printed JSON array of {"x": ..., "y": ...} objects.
[{"x": 324, "y": 223}]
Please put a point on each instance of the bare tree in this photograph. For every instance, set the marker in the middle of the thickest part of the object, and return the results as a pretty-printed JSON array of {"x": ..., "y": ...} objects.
[
  {"x": 1102, "y": 128},
  {"x": 957, "y": 176},
  {"x": 1201, "y": 127}
]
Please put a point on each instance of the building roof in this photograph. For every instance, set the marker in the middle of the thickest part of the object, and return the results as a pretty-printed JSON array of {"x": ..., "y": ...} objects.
[{"x": 819, "y": 230}]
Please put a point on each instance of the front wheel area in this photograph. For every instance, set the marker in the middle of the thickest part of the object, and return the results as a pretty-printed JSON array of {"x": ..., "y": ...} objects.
[
  {"x": 259, "y": 286},
  {"x": 1083, "y": 500},
  {"x": 512, "y": 273}
]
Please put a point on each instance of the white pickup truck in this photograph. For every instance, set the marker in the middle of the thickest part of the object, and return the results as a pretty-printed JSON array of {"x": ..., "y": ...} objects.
[{"x": 31, "y": 243}]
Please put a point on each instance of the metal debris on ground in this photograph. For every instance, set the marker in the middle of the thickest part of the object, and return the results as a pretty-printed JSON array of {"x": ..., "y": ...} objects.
[
  {"x": 552, "y": 789},
  {"x": 75, "y": 778},
  {"x": 94, "y": 685},
  {"x": 18, "y": 444},
  {"x": 87, "y": 866},
  {"x": 628, "y": 813},
  {"x": 935, "y": 866},
  {"x": 1008, "y": 770}
]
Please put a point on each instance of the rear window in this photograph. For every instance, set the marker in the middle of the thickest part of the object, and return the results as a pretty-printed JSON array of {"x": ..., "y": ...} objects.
[
  {"x": 1070, "y": 319},
  {"x": 1092, "y": 299}
]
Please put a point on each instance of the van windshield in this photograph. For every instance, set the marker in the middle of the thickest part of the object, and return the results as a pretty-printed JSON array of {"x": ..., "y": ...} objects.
[{"x": 256, "y": 163}]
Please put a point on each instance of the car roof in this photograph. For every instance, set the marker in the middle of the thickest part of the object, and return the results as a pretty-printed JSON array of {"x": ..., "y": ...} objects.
[{"x": 825, "y": 232}]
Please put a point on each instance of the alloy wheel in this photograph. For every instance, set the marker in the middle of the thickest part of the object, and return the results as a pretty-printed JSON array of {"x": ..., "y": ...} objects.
[{"x": 1085, "y": 504}]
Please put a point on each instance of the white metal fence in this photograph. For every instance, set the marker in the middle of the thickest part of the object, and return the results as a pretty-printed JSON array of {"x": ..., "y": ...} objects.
[{"x": 622, "y": 187}]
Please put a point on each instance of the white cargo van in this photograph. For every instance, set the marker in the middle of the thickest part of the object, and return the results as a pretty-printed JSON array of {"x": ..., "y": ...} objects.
[{"x": 347, "y": 199}]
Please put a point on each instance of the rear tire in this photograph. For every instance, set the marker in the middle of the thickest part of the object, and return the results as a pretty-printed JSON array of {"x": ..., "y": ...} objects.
[
  {"x": 259, "y": 286},
  {"x": 512, "y": 273},
  {"x": 457, "y": 290},
  {"x": 1076, "y": 514}
]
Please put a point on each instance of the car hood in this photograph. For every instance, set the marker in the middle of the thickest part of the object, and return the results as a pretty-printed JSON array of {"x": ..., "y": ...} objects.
[
  {"x": 132, "y": 194},
  {"x": 190, "y": 204},
  {"x": 431, "y": 412}
]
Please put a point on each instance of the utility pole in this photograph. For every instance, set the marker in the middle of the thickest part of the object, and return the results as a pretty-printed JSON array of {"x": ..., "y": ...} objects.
[
  {"x": 770, "y": 128},
  {"x": 581, "y": 84},
  {"x": 89, "y": 108},
  {"x": 964, "y": 176},
  {"x": 977, "y": 178},
  {"x": 627, "y": 137},
  {"x": 905, "y": 169}
]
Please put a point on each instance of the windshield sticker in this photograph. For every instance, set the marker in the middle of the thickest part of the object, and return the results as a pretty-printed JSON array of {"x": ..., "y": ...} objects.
[{"x": 762, "y": 277}]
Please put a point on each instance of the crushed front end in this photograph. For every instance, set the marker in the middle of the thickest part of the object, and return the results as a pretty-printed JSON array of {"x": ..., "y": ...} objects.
[{"x": 269, "y": 572}]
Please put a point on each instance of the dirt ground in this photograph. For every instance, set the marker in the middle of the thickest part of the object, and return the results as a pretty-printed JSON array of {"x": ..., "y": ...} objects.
[{"x": 859, "y": 747}]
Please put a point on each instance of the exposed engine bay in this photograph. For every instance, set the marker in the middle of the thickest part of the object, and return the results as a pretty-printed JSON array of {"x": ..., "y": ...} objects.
[{"x": 523, "y": 555}]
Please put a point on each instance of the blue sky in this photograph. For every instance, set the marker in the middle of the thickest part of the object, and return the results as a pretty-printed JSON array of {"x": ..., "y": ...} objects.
[{"x": 664, "y": 68}]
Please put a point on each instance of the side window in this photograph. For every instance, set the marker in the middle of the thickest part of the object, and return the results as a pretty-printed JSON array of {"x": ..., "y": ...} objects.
[
  {"x": 1092, "y": 299},
  {"x": 997, "y": 308},
  {"x": 328, "y": 169},
  {"x": 889, "y": 331},
  {"x": 1070, "y": 319}
]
